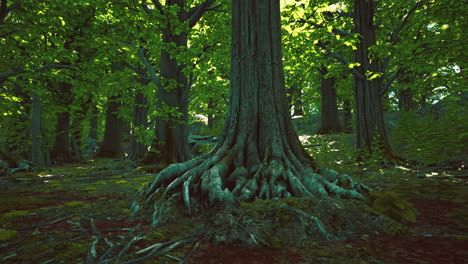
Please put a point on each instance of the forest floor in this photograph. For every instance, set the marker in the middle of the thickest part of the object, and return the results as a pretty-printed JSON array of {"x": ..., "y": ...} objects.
[{"x": 74, "y": 213}]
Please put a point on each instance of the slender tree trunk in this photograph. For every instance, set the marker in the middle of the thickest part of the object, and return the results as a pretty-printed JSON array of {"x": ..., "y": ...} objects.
[
  {"x": 112, "y": 142},
  {"x": 171, "y": 131},
  {"x": 329, "y": 104},
  {"x": 406, "y": 96},
  {"x": 347, "y": 116},
  {"x": 77, "y": 128},
  {"x": 61, "y": 150},
  {"x": 36, "y": 134},
  {"x": 295, "y": 101},
  {"x": 370, "y": 126},
  {"x": 211, "y": 116},
  {"x": 258, "y": 155},
  {"x": 93, "y": 123},
  {"x": 140, "y": 121}
]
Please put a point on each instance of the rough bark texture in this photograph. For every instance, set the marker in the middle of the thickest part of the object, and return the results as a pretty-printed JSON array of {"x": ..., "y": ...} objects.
[
  {"x": 329, "y": 104},
  {"x": 112, "y": 141},
  {"x": 258, "y": 155},
  {"x": 370, "y": 127}
]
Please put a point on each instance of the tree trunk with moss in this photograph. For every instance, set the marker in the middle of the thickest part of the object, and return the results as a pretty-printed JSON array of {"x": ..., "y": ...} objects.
[{"x": 258, "y": 155}]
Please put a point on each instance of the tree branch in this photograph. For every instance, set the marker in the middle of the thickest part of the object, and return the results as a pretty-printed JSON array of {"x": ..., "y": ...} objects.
[
  {"x": 395, "y": 39},
  {"x": 334, "y": 30},
  {"x": 56, "y": 66},
  {"x": 342, "y": 60},
  {"x": 390, "y": 81},
  {"x": 196, "y": 12},
  {"x": 3, "y": 10},
  {"x": 159, "y": 6},
  {"x": 149, "y": 68},
  {"x": 7, "y": 74}
]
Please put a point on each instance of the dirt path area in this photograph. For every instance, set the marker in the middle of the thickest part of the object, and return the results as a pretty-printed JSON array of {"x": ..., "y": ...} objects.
[{"x": 80, "y": 213}]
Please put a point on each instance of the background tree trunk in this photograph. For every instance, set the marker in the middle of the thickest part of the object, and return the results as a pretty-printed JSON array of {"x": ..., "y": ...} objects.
[
  {"x": 61, "y": 150},
  {"x": 171, "y": 144},
  {"x": 329, "y": 104},
  {"x": 36, "y": 132},
  {"x": 370, "y": 126},
  {"x": 112, "y": 142},
  {"x": 140, "y": 121},
  {"x": 295, "y": 101},
  {"x": 347, "y": 116}
]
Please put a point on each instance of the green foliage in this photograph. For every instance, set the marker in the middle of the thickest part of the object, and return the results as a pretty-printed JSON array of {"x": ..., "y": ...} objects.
[
  {"x": 430, "y": 138},
  {"x": 391, "y": 205},
  {"x": 335, "y": 151}
]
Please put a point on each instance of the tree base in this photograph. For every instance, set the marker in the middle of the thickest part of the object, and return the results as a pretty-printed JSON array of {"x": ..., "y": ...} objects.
[{"x": 288, "y": 222}]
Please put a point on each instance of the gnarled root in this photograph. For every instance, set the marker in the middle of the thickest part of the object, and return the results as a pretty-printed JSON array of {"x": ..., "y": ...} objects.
[{"x": 214, "y": 182}]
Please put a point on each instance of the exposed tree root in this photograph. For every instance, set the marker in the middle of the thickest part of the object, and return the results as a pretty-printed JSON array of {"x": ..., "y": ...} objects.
[{"x": 213, "y": 182}]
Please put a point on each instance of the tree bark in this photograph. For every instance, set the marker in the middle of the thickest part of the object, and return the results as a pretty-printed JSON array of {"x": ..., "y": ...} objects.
[
  {"x": 258, "y": 155},
  {"x": 370, "y": 127},
  {"x": 36, "y": 134},
  {"x": 171, "y": 144},
  {"x": 295, "y": 101},
  {"x": 140, "y": 121},
  {"x": 93, "y": 123},
  {"x": 329, "y": 104},
  {"x": 347, "y": 116},
  {"x": 61, "y": 150},
  {"x": 112, "y": 142}
]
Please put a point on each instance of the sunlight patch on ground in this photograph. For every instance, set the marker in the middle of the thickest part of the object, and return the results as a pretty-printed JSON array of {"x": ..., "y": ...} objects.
[{"x": 304, "y": 139}]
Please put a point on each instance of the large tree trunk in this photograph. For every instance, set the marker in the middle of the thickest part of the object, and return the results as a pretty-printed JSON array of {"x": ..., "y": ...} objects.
[
  {"x": 258, "y": 155},
  {"x": 171, "y": 144},
  {"x": 370, "y": 126},
  {"x": 329, "y": 104},
  {"x": 112, "y": 142}
]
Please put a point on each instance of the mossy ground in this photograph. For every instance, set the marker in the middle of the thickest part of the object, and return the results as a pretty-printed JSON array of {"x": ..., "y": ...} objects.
[{"x": 53, "y": 216}]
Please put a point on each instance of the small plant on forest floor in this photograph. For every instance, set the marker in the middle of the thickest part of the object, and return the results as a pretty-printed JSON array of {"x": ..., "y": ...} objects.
[{"x": 391, "y": 205}]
